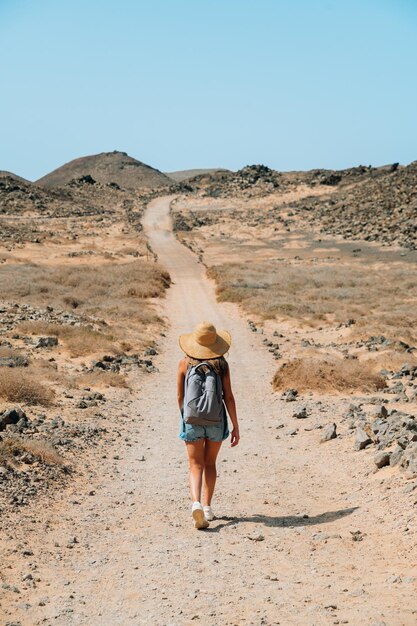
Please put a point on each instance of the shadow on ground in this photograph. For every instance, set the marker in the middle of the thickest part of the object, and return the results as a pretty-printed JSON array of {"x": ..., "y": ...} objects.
[{"x": 283, "y": 521}]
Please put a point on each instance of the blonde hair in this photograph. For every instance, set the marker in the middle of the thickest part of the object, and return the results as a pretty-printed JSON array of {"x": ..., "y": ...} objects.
[{"x": 220, "y": 365}]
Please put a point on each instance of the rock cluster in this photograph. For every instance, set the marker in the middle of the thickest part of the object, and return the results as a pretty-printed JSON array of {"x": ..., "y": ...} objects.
[
  {"x": 111, "y": 363},
  {"x": 252, "y": 180},
  {"x": 13, "y": 313},
  {"x": 18, "y": 485},
  {"x": 382, "y": 209},
  {"x": 374, "y": 204},
  {"x": 393, "y": 433},
  {"x": 83, "y": 197}
]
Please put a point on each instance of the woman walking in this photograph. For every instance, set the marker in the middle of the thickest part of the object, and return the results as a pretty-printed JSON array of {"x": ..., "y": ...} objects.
[{"x": 205, "y": 346}]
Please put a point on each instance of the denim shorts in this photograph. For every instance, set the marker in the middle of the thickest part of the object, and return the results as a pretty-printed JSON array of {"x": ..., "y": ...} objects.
[{"x": 194, "y": 432}]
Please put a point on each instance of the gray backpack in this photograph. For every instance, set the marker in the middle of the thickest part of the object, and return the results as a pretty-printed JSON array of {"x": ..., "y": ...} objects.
[{"x": 203, "y": 396}]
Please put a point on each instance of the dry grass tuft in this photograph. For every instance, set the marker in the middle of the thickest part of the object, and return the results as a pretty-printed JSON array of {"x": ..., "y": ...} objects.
[
  {"x": 16, "y": 386},
  {"x": 42, "y": 450},
  {"x": 103, "y": 379},
  {"x": 327, "y": 375}
]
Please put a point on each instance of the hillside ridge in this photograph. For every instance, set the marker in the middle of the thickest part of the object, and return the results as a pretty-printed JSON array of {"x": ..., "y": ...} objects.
[{"x": 107, "y": 167}]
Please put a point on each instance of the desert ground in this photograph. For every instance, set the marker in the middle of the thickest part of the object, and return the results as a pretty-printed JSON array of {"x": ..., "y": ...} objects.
[{"x": 315, "y": 509}]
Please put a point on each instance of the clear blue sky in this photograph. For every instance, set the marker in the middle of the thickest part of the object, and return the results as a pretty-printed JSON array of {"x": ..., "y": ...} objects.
[{"x": 293, "y": 84}]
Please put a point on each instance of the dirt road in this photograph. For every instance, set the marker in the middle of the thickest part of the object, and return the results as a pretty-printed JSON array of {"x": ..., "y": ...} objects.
[{"x": 281, "y": 551}]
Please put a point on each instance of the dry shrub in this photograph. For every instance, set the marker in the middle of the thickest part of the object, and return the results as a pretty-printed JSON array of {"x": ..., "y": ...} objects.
[
  {"x": 49, "y": 371},
  {"x": 381, "y": 301},
  {"x": 71, "y": 301},
  {"x": 117, "y": 289},
  {"x": 327, "y": 375},
  {"x": 100, "y": 379},
  {"x": 80, "y": 340},
  {"x": 41, "y": 449},
  {"x": 18, "y": 386}
]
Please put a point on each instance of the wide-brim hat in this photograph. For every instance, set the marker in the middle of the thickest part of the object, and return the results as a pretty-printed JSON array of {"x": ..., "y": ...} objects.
[{"x": 205, "y": 342}]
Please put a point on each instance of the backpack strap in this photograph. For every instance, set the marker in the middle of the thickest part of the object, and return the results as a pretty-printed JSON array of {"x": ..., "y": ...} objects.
[{"x": 196, "y": 367}]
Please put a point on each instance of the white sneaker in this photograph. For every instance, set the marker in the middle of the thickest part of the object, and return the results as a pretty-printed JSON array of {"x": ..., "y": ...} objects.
[
  {"x": 208, "y": 513},
  {"x": 198, "y": 516}
]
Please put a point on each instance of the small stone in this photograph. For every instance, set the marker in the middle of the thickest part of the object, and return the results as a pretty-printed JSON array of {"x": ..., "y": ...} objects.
[
  {"x": 381, "y": 459},
  {"x": 393, "y": 579},
  {"x": 301, "y": 413},
  {"x": 289, "y": 395},
  {"x": 47, "y": 342},
  {"x": 357, "y": 535},
  {"x": 362, "y": 439},
  {"x": 321, "y": 536},
  {"x": 329, "y": 433},
  {"x": 258, "y": 537}
]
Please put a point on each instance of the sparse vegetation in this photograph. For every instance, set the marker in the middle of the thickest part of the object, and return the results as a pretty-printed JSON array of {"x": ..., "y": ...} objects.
[
  {"x": 315, "y": 294},
  {"x": 116, "y": 290},
  {"x": 11, "y": 448},
  {"x": 103, "y": 379},
  {"x": 75, "y": 265},
  {"x": 24, "y": 387},
  {"x": 327, "y": 375}
]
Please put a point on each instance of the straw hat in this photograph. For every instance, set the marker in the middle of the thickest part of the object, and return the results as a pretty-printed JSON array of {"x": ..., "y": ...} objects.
[{"x": 205, "y": 342}]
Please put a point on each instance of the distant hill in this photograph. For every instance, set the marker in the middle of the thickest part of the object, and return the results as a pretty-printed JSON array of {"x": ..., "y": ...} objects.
[
  {"x": 108, "y": 167},
  {"x": 182, "y": 175},
  {"x": 5, "y": 174}
]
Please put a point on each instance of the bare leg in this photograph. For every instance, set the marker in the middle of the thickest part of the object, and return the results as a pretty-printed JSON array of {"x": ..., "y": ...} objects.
[
  {"x": 195, "y": 451},
  {"x": 211, "y": 451}
]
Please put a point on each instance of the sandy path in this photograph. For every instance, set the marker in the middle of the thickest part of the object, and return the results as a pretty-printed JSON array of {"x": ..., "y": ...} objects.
[{"x": 139, "y": 560}]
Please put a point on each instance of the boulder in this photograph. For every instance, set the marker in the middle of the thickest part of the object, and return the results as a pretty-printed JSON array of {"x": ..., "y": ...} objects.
[
  {"x": 12, "y": 416},
  {"x": 382, "y": 458}
]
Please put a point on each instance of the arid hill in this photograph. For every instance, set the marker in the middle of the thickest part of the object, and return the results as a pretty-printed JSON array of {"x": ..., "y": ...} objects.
[
  {"x": 28, "y": 211},
  {"x": 6, "y": 174},
  {"x": 364, "y": 202},
  {"x": 108, "y": 167},
  {"x": 260, "y": 180},
  {"x": 379, "y": 207}
]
